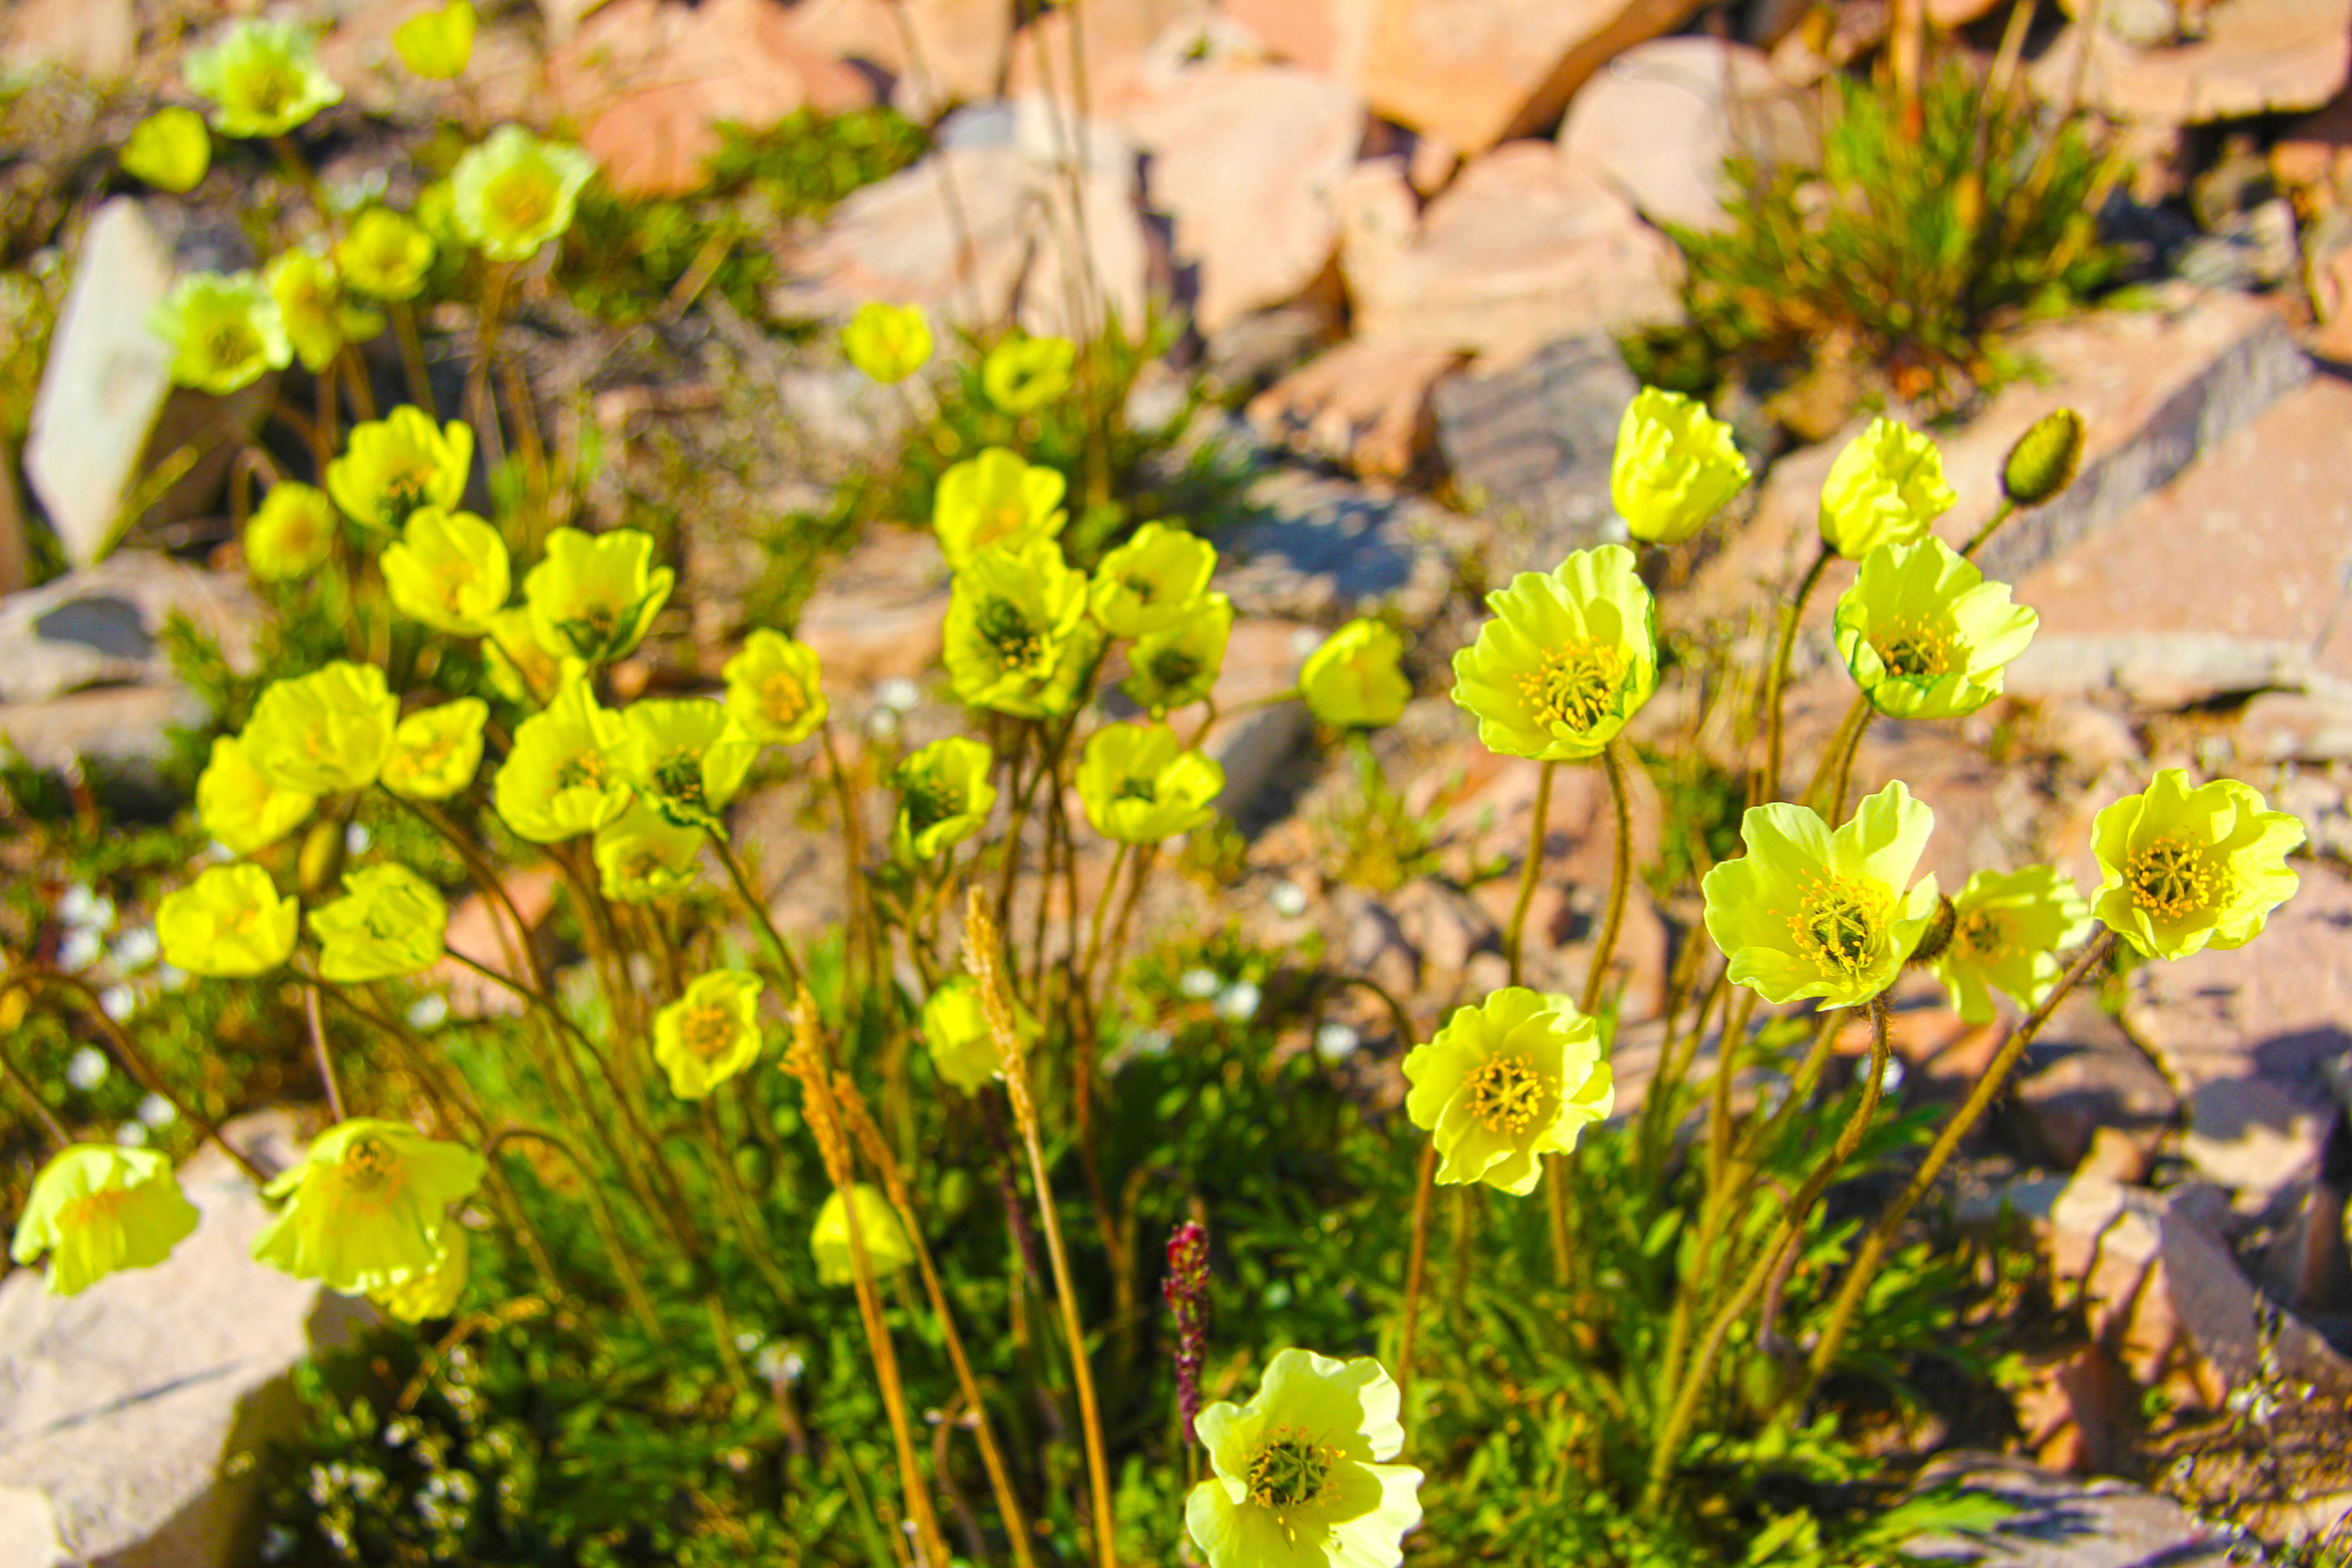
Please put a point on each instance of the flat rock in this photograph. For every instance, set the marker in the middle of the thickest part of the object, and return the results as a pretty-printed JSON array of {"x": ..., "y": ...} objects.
[
  {"x": 115, "y": 737},
  {"x": 2257, "y": 57},
  {"x": 1658, "y": 122},
  {"x": 2063, "y": 1522},
  {"x": 1321, "y": 549},
  {"x": 103, "y": 624},
  {"x": 878, "y": 613},
  {"x": 1538, "y": 439},
  {"x": 1365, "y": 404},
  {"x": 122, "y": 1407},
  {"x": 960, "y": 46},
  {"x": 1521, "y": 250},
  {"x": 96, "y": 39},
  {"x": 2083, "y": 1074}
]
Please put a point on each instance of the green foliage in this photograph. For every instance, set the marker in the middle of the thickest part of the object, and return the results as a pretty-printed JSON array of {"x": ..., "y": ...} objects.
[{"x": 1910, "y": 244}]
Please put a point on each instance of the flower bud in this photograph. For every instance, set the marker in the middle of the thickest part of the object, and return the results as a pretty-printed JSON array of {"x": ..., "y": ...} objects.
[{"x": 2044, "y": 459}]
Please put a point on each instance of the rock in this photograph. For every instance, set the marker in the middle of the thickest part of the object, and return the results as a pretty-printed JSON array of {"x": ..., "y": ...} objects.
[
  {"x": 653, "y": 80},
  {"x": 103, "y": 625},
  {"x": 2257, "y": 57},
  {"x": 2062, "y": 1523},
  {"x": 1321, "y": 549},
  {"x": 1365, "y": 405},
  {"x": 1444, "y": 926},
  {"x": 117, "y": 738},
  {"x": 124, "y": 1410},
  {"x": 1133, "y": 50},
  {"x": 1477, "y": 71},
  {"x": 1256, "y": 350},
  {"x": 1262, "y": 657},
  {"x": 2083, "y": 1077},
  {"x": 481, "y": 929},
  {"x": 96, "y": 39},
  {"x": 1657, "y": 122},
  {"x": 1249, "y": 163},
  {"x": 2250, "y": 1135},
  {"x": 2296, "y": 727},
  {"x": 2095, "y": 737},
  {"x": 105, "y": 383},
  {"x": 2315, "y": 153},
  {"x": 1522, "y": 249},
  {"x": 16, "y": 545},
  {"x": 2076, "y": 1410},
  {"x": 879, "y": 613},
  {"x": 961, "y": 47},
  {"x": 1539, "y": 439}
]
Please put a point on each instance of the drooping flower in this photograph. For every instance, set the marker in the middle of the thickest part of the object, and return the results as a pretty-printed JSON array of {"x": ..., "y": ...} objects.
[
  {"x": 325, "y": 732},
  {"x": 241, "y": 809},
  {"x": 889, "y": 343},
  {"x": 263, "y": 80},
  {"x": 642, "y": 856},
  {"x": 1674, "y": 468},
  {"x": 956, "y": 1031},
  {"x": 560, "y": 779},
  {"x": 1885, "y": 487},
  {"x": 887, "y": 1250},
  {"x": 1925, "y": 634},
  {"x": 514, "y": 193},
  {"x": 224, "y": 330},
  {"x": 436, "y": 751},
  {"x": 448, "y": 570},
  {"x": 595, "y": 595},
  {"x": 2185, "y": 869},
  {"x": 97, "y": 1208},
  {"x": 684, "y": 757},
  {"x": 524, "y": 672},
  {"x": 318, "y": 320},
  {"x": 171, "y": 150},
  {"x": 422, "y": 1297},
  {"x": 290, "y": 534},
  {"x": 944, "y": 796},
  {"x": 436, "y": 44},
  {"x": 1018, "y": 640},
  {"x": 1180, "y": 663},
  {"x": 773, "y": 692},
  {"x": 389, "y": 922},
  {"x": 995, "y": 498},
  {"x": 1808, "y": 913},
  {"x": 368, "y": 1207},
  {"x": 393, "y": 466},
  {"x": 1517, "y": 1076},
  {"x": 709, "y": 1034},
  {"x": 2007, "y": 931},
  {"x": 1140, "y": 785},
  {"x": 229, "y": 922},
  {"x": 1152, "y": 581},
  {"x": 1300, "y": 1473},
  {"x": 384, "y": 256},
  {"x": 1353, "y": 681},
  {"x": 1022, "y": 375},
  {"x": 1564, "y": 660}
]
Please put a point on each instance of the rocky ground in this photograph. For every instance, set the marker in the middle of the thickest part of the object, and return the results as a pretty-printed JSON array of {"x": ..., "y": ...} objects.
[{"x": 1405, "y": 238}]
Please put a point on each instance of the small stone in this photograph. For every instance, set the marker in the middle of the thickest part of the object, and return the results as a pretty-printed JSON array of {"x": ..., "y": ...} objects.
[
  {"x": 1658, "y": 122},
  {"x": 2256, "y": 56},
  {"x": 1366, "y": 405},
  {"x": 1540, "y": 438},
  {"x": 104, "y": 625},
  {"x": 2056, "y": 1522},
  {"x": 95, "y": 39},
  {"x": 1320, "y": 550}
]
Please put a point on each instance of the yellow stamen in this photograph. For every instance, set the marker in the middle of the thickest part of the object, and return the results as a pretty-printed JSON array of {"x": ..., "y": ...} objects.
[
  {"x": 2172, "y": 880},
  {"x": 1576, "y": 684},
  {"x": 1913, "y": 649},
  {"x": 1838, "y": 923},
  {"x": 1507, "y": 1094}
]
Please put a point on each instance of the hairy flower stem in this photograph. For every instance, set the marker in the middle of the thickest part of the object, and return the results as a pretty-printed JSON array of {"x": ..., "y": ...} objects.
[
  {"x": 325, "y": 1058},
  {"x": 1776, "y": 678},
  {"x": 412, "y": 357},
  {"x": 34, "y": 1102},
  {"x": 861, "y": 938},
  {"x": 625, "y": 1266},
  {"x": 1837, "y": 761},
  {"x": 1977, "y": 540},
  {"x": 754, "y": 906},
  {"x": 1415, "y": 1269},
  {"x": 1939, "y": 1153},
  {"x": 481, "y": 408},
  {"x": 984, "y": 954},
  {"x": 1790, "y": 1232},
  {"x": 1612, "y": 761},
  {"x": 1531, "y": 872}
]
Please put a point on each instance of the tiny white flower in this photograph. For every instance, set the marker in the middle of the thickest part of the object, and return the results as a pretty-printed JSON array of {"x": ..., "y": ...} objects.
[
  {"x": 87, "y": 1068},
  {"x": 79, "y": 949},
  {"x": 1198, "y": 983},
  {"x": 79, "y": 905},
  {"x": 171, "y": 977},
  {"x": 1237, "y": 1003},
  {"x": 1151, "y": 1042},
  {"x": 1304, "y": 640},
  {"x": 1336, "y": 1042},
  {"x": 131, "y": 1135},
  {"x": 117, "y": 1002},
  {"x": 1890, "y": 1078},
  {"x": 899, "y": 694},
  {"x": 1288, "y": 899},
  {"x": 426, "y": 1012},
  {"x": 136, "y": 948},
  {"x": 356, "y": 839},
  {"x": 157, "y": 1113},
  {"x": 882, "y": 723}
]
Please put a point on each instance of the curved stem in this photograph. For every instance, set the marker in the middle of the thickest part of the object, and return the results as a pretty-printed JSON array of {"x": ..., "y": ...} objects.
[
  {"x": 758, "y": 909},
  {"x": 1776, "y": 678},
  {"x": 1529, "y": 872},
  {"x": 41, "y": 1107},
  {"x": 632, "y": 1285},
  {"x": 318, "y": 1027},
  {"x": 1939, "y": 1153},
  {"x": 1837, "y": 762},
  {"x": 1612, "y": 761},
  {"x": 1415, "y": 1268},
  {"x": 2000, "y": 515}
]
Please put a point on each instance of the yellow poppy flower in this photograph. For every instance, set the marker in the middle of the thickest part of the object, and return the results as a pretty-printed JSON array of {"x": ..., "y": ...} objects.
[
  {"x": 1018, "y": 640},
  {"x": 290, "y": 534},
  {"x": 514, "y": 193},
  {"x": 318, "y": 320},
  {"x": 395, "y": 465},
  {"x": 887, "y": 1250},
  {"x": 595, "y": 595},
  {"x": 368, "y": 1207},
  {"x": 955, "y": 1031},
  {"x": 384, "y": 256},
  {"x": 710, "y": 1034},
  {"x": 2185, "y": 869},
  {"x": 560, "y": 779},
  {"x": 2007, "y": 931},
  {"x": 226, "y": 331},
  {"x": 96, "y": 1209},
  {"x": 435, "y": 752},
  {"x": 1565, "y": 659},
  {"x": 1022, "y": 375},
  {"x": 1674, "y": 468},
  {"x": 433, "y": 1294},
  {"x": 241, "y": 809},
  {"x": 323, "y": 734},
  {"x": 889, "y": 343},
  {"x": 448, "y": 570},
  {"x": 524, "y": 672},
  {"x": 642, "y": 856},
  {"x": 944, "y": 796},
  {"x": 773, "y": 692},
  {"x": 1886, "y": 487},
  {"x": 995, "y": 498},
  {"x": 1152, "y": 581},
  {"x": 263, "y": 80},
  {"x": 685, "y": 758},
  {"x": 1925, "y": 634},
  {"x": 1517, "y": 1076},
  {"x": 389, "y": 922},
  {"x": 171, "y": 150},
  {"x": 229, "y": 922},
  {"x": 1179, "y": 663},
  {"x": 1140, "y": 785},
  {"x": 436, "y": 44},
  {"x": 1353, "y": 681},
  {"x": 1808, "y": 913}
]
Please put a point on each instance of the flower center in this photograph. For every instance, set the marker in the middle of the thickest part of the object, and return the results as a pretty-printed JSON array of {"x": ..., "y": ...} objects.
[
  {"x": 1576, "y": 684},
  {"x": 930, "y": 802},
  {"x": 96, "y": 1209},
  {"x": 369, "y": 1168},
  {"x": 707, "y": 1031},
  {"x": 1140, "y": 586},
  {"x": 233, "y": 343},
  {"x": 1837, "y": 923},
  {"x": 2172, "y": 880},
  {"x": 1913, "y": 649},
  {"x": 270, "y": 90},
  {"x": 1291, "y": 1470},
  {"x": 679, "y": 776},
  {"x": 1507, "y": 1094},
  {"x": 1172, "y": 668},
  {"x": 1137, "y": 788},
  {"x": 1980, "y": 933},
  {"x": 783, "y": 698},
  {"x": 1008, "y": 632},
  {"x": 521, "y": 200}
]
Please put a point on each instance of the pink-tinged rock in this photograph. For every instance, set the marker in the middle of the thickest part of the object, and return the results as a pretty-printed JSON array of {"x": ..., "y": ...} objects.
[
  {"x": 1249, "y": 163},
  {"x": 1365, "y": 404},
  {"x": 959, "y": 45},
  {"x": 1326, "y": 36},
  {"x": 878, "y": 615},
  {"x": 1657, "y": 122},
  {"x": 653, "y": 80},
  {"x": 1522, "y": 249},
  {"x": 2257, "y": 57},
  {"x": 484, "y": 931},
  {"x": 1479, "y": 71},
  {"x": 2317, "y": 151},
  {"x": 96, "y": 38},
  {"x": 1131, "y": 49}
]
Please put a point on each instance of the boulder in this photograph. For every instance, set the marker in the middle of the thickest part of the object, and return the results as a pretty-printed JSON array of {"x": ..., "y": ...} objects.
[
  {"x": 1366, "y": 405},
  {"x": 1658, "y": 122},
  {"x": 103, "y": 625},
  {"x": 1321, "y": 549},
  {"x": 2083, "y": 1076},
  {"x": 96, "y": 38},
  {"x": 126, "y": 1412},
  {"x": 2256, "y": 56},
  {"x": 2056, "y": 1521},
  {"x": 959, "y": 54},
  {"x": 878, "y": 613},
  {"x": 1522, "y": 249}
]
